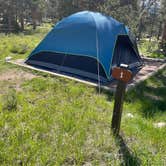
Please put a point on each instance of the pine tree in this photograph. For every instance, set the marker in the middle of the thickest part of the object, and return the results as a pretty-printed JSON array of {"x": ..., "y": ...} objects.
[
  {"x": 124, "y": 11},
  {"x": 163, "y": 13}
]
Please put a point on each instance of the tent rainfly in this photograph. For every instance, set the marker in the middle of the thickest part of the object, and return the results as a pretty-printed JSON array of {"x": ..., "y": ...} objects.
[{"x": 87, "y": 45}]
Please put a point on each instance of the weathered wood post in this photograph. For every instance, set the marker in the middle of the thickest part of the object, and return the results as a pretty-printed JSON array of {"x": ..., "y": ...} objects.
[{"x": 123, "y": 75}]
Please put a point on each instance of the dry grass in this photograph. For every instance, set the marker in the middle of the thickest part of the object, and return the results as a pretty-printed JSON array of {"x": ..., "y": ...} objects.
[{"x": 14, "y": 79}]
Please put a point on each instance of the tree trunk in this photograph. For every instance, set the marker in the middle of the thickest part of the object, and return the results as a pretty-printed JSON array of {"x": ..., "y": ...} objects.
[
  {"x": 159, "y": 31},
  {"x": 164, "y": 33},
  {"x": 140, "y": 29},
  {"x": 34, "y": 18},
  {"x": 22, "y": 21},
  {"x": 163, "y": 41},
  {"x": 34, "y": 24}
]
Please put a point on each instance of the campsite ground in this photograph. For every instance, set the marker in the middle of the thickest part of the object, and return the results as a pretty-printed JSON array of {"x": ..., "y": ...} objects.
[{"x": 47, "y": 120}]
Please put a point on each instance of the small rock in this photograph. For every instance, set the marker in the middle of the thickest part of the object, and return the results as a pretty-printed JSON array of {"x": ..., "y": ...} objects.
[
  {"x": 159, "y": 125},
  {"x": 87, "y": 164},
  {"x": 7, "y": 59},
  {"x": 129, "y": 115},
  {"x": 108, "y": 155}
]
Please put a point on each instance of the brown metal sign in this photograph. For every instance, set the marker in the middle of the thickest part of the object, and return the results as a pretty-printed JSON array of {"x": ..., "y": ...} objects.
[{"x": 122, "y": 74}]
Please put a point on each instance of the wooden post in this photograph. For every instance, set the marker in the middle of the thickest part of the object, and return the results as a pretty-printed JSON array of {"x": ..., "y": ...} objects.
[
  {"x": 118, "y": 107},
  {"x": 123, "y": 75}
]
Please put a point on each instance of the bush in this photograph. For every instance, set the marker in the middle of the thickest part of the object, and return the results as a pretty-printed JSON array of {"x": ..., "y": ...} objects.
[
  {"x": 14, "y": 49},
  {"x": 163, "y": 47},
  {"x": 19, "y": 49},
  {"x": 36, "y": 84},
  {"x": 150, "y": 48},
  {"x": 10, "y": 101}
]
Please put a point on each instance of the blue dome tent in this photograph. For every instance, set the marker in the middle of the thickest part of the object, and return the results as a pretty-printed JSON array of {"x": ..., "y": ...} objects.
[{"x": 87, "y": 45}]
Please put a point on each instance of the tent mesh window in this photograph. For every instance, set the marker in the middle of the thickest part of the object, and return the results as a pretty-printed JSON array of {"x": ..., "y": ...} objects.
[{"x": 75, "y": 64}]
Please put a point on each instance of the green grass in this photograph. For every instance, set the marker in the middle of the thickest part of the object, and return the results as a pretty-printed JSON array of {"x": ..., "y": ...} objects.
[
  {"x": 150, "y": 48},
  {"x": 20, "y": 45},
  {"x": 55, "y": 121}
]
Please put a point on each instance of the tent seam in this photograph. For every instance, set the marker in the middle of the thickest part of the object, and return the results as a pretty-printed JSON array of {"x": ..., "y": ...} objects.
[{"x": 98, "y": 44}]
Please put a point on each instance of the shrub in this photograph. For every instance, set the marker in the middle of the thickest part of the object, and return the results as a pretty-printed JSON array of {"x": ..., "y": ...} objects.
[
  {"x": 14, "y": 49},
  {"x": 19, "y": 49},
  {"x": 36, "y": 84},
  {"x": 10, "y": 100}
]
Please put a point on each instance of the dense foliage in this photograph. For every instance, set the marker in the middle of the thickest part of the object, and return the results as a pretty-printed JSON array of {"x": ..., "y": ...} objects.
[{"x": 144, "y": 17}]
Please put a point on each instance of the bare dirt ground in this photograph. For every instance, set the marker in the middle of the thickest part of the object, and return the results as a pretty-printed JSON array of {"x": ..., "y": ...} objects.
[
  {"x": 16, "y": 75},
  {"x": 14, "y": 78},
  {"x": 151, "y": 66}
]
